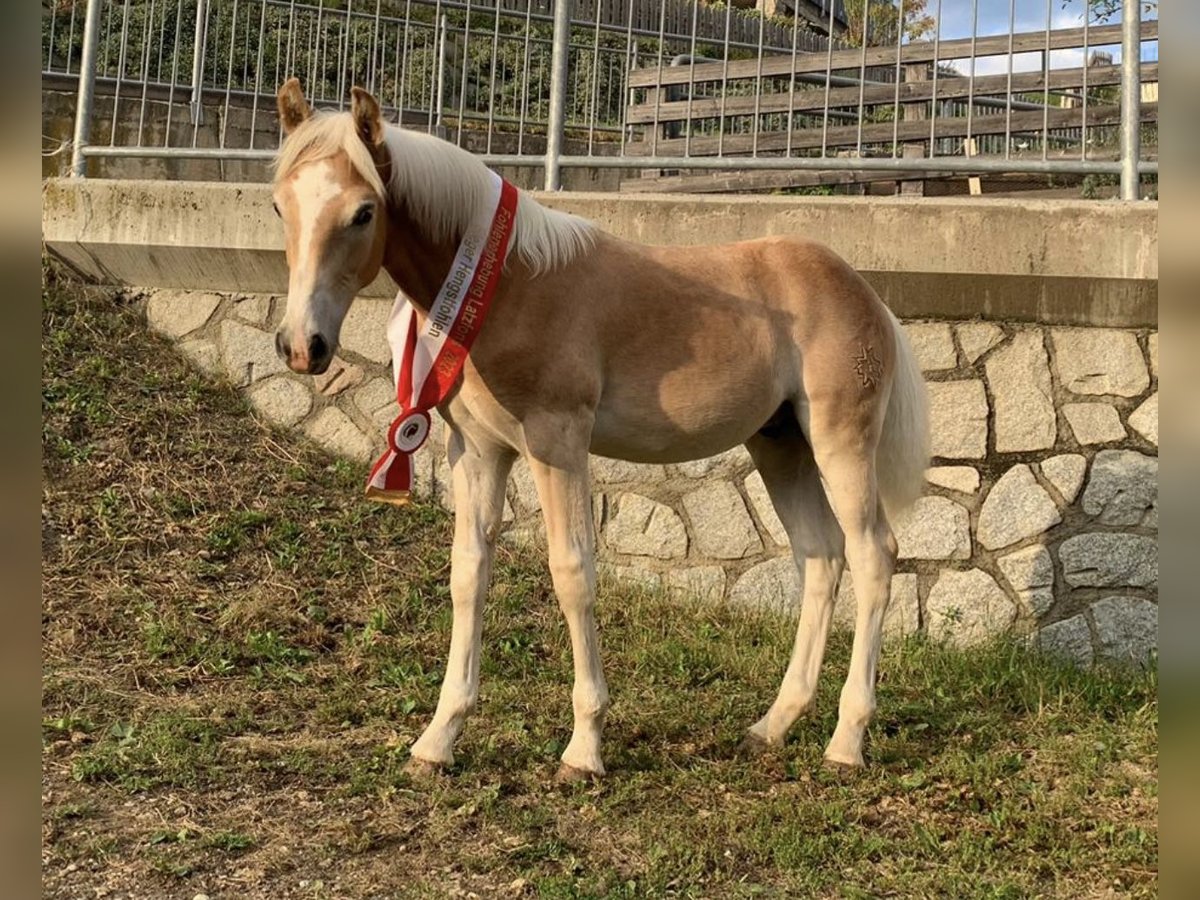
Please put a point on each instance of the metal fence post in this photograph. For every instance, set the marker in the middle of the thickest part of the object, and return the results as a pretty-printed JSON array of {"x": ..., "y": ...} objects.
[
  {"x": 87, "y": 88},
  {"x": 558, "y": 92},
  {"x": 1131, "y": 97},
  {"x": 199, "y": 46}
]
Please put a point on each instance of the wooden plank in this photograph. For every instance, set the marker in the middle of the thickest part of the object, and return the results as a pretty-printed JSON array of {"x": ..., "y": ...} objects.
[
  {"x": 918, "y": 51},
  {"x": 885, "y": 94},
  {"x": 881, "y": 133},
  {"x": 727, "y": 182},
  {"x": 914, "y": 112}
]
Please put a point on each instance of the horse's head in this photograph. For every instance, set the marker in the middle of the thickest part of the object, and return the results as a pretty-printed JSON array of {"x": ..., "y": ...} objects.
[{"x": 330, "y": 191}]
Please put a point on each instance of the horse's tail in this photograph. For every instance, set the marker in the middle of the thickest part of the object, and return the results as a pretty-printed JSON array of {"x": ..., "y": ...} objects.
[{"x": 903, "y": 451}]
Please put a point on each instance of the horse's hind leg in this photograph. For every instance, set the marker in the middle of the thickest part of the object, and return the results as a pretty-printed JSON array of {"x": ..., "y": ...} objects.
[
  {"x": 789, "y": 472},
  {"x": 844, "y": 437},
  {"x": 479, "y": 470}
]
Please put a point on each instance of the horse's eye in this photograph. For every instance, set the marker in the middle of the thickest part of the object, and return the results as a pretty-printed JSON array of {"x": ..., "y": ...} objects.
[
  {"x": 363, "y": 216},
  {"x": 275, "y": 206}
]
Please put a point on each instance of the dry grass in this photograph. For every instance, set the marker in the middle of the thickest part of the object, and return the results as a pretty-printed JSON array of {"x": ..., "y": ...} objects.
[{"x": 238, "y": 651}]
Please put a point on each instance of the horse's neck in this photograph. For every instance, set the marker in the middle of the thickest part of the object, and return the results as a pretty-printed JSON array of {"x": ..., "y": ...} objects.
[{"x": 417, "y": 264}]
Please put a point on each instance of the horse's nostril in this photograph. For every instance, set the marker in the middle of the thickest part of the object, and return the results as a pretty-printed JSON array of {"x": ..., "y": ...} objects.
[
  {"x": 317, "y": 348},
  {"x": 281, "y": 346}
]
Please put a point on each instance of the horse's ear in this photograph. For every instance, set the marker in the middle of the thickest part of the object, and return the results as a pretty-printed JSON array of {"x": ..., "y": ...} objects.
[
  {"x": 368, "y": 118},
  {"x": 293, "y": 108}
]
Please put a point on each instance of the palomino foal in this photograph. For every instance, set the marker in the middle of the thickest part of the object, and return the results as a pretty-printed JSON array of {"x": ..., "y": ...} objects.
[{"x": 644, "y": 353}]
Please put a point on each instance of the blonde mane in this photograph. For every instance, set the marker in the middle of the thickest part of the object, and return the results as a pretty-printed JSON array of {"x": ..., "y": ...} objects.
[{"x": 442, "y": 186}]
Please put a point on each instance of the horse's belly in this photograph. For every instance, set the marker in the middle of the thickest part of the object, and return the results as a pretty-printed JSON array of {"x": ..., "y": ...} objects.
[{"x": 684, "y": 418}]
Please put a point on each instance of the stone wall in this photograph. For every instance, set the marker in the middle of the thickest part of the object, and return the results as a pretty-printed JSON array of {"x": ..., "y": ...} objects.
[{"x": 1040, "y": 513}]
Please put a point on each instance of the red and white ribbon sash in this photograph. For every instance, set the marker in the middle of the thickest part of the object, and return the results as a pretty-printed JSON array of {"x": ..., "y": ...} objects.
[{"x": 428, "y": 360}]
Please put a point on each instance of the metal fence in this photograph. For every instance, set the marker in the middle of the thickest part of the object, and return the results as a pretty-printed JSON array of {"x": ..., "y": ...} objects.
[{"x": 658, "y": 87}]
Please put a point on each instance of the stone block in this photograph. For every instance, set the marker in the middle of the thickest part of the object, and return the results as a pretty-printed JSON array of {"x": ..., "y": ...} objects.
[
  {"x": 635, "y": 576},
  {"x": 977, "y": 338},
  {"x": 640, "y": 526},
  {"x": 933, "y": 345},
  {"x": 1094, "y": 423},
  {"x": 731, "y": 460},
  {"x": 333, "y": 430},
  {"x": 1065, "y": 472},
  {"x": 967, "y": 607},
  {"x": 705, "y": 583},
  {"x": 281, "y": 400},
  {"x": 903, "y": 616},
  {"x": 340, "y": 376},
  {"x": 934, "y": 528},
  {"x": 1019, "y": 376},
  {"x": 1126, "y": 629},
  {"x": 1109, "y": 560},
  {"x": 252, "y": 308},
  {"x": 756, "y": 490},
  {"x": 1030, "y": 571},
  {"x": 1016, "y": 507},
  {"x": 1099, "y": 361},
  {"x": 1070, "y": 639},
  {"x": 376, "y": 400},
  {"x": 248, "y": 353},
  {"x": 203, "y": 354},
  {"x": 1122, "y": 487},
  {"x": 619, "y": 471},
  {"x": 771, "y": 586},
  {"x": 364, "y": 330},
  {"x": 1152, "y": 346},
  {"x": 524, "y": 490},
  {"x": 958, "y": 418},
  {"x": 964, "y": 479},
  {"x": 176, "y": 313},
  {"x": 721, "y": 525},
  {"x": 1144, "y": 419}
]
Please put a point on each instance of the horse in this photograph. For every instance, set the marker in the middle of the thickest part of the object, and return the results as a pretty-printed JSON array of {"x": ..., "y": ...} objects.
[{"x": 653, "y": 354}]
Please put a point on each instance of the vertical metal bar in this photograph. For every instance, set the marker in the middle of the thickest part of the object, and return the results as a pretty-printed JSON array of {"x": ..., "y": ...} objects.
[
  {"x": 862, "y": 74},
  {"x": 971, "y": 80},
  {"x": 162, "y": 32},
  {"x": 174, "y": 74},
  {"x": 198, "y": 52},
  {"x": 145, "y": 72},
  {"x": 1131, "y": 97},
  {"x": 630, "y": 66},
  {"x": 791, "y": 113},
  {"x": 828, "y": 82},
  {"x": 462, "y": 81},
  {"x": 558, "y": 92},
  {"x": 762, "y": 25},
  {"x": 1046, "y": 78},
  {"x": 596, "y": 80},
  {"x": 525, "y": 80},
  {"x": 687, "y": 128},
  {"x": 402, "y": 66},
  {"x": 896, "y": 104},
  {"x": 87, "y": 88},
  {"x": 937, "y": 46},
  {"x": 71, "y": 38},
  {"x": 372, "y": 71},
  {"x": 658, "y": 91},
  {"x": 229, "y": 73},
  {"x": 317, "y": 54},
  {"x": 116, "y": 117},
  {"x": 492, "y": 80},
  {"x": 1008, "y": 95},
  {"x": 724, "y": 82},
  {"x": 258, "y": 61},
  {"x": 1083, "y": 135},
  {"x": 53, "y": 25},
  {"x": 440, "y": 81}
]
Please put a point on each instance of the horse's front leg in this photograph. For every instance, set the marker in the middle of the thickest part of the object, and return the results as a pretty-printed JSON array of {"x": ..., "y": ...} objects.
[
  {"x": 479, "y": 473},
  {"x": 558, "y": 460}
]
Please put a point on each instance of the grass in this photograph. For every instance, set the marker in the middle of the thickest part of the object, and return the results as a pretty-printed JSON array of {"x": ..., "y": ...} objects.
[{"x": 238, "y": 652}]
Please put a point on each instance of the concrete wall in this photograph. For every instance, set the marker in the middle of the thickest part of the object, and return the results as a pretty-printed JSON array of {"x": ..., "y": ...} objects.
[{"x": 1041, "y": 507}]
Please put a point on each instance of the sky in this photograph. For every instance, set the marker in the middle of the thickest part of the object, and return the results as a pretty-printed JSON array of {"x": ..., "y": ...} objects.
[{"x": 1027, "y": 15}]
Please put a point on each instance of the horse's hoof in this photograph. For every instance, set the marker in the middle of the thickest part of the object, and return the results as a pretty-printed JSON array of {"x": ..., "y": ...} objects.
[
  {"x": 843, "y": 768},
  {"x": 753, "y": 746},
  {"x": 568, "y": 774},
  {"x": 423, "y": 769}
]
